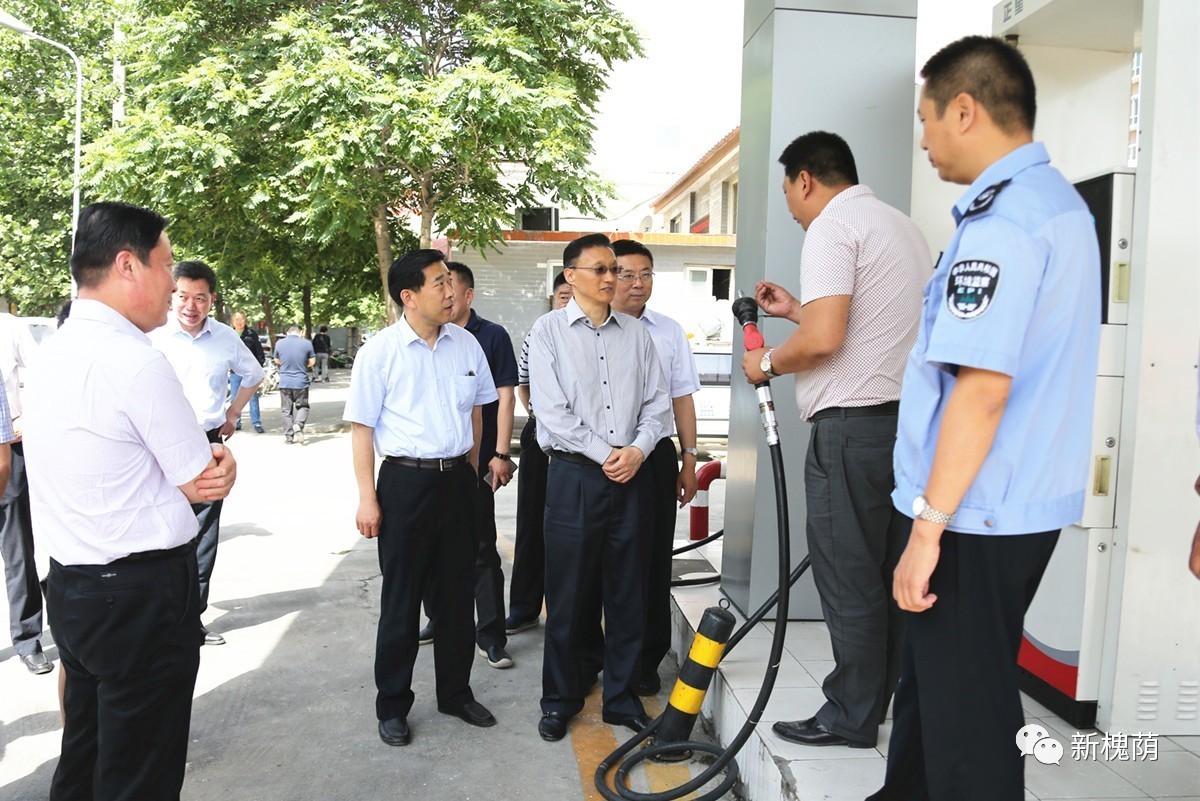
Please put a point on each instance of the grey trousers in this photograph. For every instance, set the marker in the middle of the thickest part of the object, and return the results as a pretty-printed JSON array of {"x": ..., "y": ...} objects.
[
  {"x": 20, "y": 572},
  {"x": 855, "y": 538}
]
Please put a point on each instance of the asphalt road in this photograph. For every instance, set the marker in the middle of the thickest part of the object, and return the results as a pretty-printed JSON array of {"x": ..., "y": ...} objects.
[{"x": 285, "y": 710}]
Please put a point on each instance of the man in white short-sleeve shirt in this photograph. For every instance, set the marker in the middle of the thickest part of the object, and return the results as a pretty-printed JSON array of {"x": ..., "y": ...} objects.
[
  {"x": 416, "y": 398},
  {"x": 862, "y": 272},
  {"x": 119, "y": 457},
  {"x": 204, "y": 352}
]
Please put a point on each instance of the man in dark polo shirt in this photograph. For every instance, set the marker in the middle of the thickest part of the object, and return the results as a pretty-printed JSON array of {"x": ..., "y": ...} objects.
[{"x": 495, "y": 470}]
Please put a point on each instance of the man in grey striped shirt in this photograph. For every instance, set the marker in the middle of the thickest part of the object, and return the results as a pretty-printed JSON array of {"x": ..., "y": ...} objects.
[{"x": 602, "y": 404}]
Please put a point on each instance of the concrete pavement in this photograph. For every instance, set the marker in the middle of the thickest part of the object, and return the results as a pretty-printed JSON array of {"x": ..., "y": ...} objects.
[{"x": 285, "y": 710}]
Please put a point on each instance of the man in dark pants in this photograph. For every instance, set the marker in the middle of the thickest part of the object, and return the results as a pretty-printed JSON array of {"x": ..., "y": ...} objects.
[
  {"x": 495, "y": 469},
  {"x": 861, "y": 273},
  {"x": 416, "y": 398},
  {"x": 674, "y": 486},
  {"x": 602, "y": 405},
  {"x": 204, "y": 353},
  {"x": 995, "y": 425},
  {"x": 294, "y": 355},
  {"x": 118, "y": 525},
  {"x": 528, "y": 585}
]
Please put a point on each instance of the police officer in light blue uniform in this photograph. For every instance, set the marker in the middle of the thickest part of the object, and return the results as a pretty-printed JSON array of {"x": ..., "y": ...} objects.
[{"x": 995, "y": 423}]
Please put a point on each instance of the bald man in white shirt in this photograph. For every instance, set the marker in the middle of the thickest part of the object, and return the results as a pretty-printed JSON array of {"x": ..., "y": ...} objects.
[{"x": 119, "y": 458}]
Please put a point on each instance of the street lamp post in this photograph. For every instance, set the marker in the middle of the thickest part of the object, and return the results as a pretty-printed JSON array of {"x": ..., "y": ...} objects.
[{"x": 9, "y": 21}]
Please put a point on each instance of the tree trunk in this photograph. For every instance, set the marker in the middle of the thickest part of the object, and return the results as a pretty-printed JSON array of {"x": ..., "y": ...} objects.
[
  {"x": 269, "y": 319},
  {"x": 308, "y": 310},
  {"x": 426, "y": 228},
  {"x": 383, "y": 251}
]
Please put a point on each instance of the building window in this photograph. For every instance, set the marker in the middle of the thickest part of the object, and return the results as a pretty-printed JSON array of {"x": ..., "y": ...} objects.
[
  {"x": 676, "y": 224},
  {"x": 709, "y": 283},
  {"x": 553, "y": 268},
  {"x": 692, "y": 204},
  {"x": 1134, "y": 111},
  {"x": 1133, "y": 154},
  {"x": 1136, "y": 72},
  {"x": 732, "y": 213}
]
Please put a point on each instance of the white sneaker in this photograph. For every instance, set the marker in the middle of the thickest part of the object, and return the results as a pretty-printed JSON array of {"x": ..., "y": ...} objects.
[{"x": 298, "y": 433}]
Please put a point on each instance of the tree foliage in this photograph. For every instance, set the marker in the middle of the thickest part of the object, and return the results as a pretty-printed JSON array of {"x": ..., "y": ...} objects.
[
  {"x": 37, "y": 134},
  {"x": 291, "y": 138}
]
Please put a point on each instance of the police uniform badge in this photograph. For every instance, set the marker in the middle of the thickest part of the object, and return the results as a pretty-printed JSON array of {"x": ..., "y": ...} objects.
[{"x": 970, "y": 287}]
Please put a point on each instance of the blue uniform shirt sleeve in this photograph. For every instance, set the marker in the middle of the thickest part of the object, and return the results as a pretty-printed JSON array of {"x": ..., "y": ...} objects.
[{"x": 987, "y": 297}]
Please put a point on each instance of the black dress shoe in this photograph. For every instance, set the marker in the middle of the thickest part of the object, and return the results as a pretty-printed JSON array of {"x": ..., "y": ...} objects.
[
  {"x": 811, "y": 732},
  {"x": 472, "y": 712},
  {"x": 37, "y": 662},
  {"x": 553, "y": 726},
  {"x": 634, "y": 723},
  {"x": 425, "y": 635},
  {"x": 496, "y": 656},
  {"x": 211, "y": 637},
  {"x": 395, "y": 731}
]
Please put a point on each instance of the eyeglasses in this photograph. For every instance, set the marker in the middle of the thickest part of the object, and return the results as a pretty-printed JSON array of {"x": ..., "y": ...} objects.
[
  {"x": 601, "y": 271},
  {"x": 630, "y": 277}
]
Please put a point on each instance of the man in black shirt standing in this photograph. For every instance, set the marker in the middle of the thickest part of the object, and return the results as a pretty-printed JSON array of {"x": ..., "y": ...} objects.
[
  {"x": 321, "y": 348},
  {"x": 250, "y": 339}
]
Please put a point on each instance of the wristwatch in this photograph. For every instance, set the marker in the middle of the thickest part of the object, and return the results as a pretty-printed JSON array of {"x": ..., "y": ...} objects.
[
  {"x": 692, "y": 451},
  {"x": 765, "y": 364},
  {"x": 921, "y": 509},
  {"x": 505, "y": 456}
]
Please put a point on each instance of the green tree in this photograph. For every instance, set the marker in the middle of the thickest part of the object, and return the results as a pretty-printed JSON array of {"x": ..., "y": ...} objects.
[
  {"x": 297, "y": 139},
  {"x": 37, "y": 130}
]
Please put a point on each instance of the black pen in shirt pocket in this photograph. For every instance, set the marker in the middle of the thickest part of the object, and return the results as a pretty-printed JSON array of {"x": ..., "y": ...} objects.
[{"x": 470, "y": 373}]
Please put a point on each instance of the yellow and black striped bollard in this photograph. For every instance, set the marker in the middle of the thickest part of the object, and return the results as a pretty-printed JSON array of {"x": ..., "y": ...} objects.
[{"x": 694, "y": 677}]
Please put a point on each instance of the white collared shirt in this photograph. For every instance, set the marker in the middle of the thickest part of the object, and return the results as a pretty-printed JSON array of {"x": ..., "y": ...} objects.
[
  {"x": 203, "y": 364},
  {"x": 419, "y": 399},
  {"x": 111, "y": 438},
  {"x": 674, "y": 356},
  {"x": 16, "y": 352}
]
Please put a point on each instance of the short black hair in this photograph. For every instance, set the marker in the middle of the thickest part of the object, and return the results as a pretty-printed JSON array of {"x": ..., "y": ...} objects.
[
  {"x": 408, "y": 271},
  {"x": 575, "y": 247},
  {"x": 990, "y": 70},
  {"x": 463, "y": 272},
  {"x": 631, "y": 247},
  {"x": 823, "y": 155},
  {"x": 324, "y": 329},
  {"x": 559, "y": 280},
  {"x": 196, "y": 271},
  {"x": 107, "y": 228}
]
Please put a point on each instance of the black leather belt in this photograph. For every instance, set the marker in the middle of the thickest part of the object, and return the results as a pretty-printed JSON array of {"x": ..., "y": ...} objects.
[
  {"x": 573, "y": 458},
  {"x": 442, "y": 465},
  {"x": 891, "y": 407}
]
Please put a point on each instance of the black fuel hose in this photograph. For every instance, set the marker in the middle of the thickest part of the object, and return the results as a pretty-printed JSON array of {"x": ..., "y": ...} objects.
[{"x": 724, "y": 756}]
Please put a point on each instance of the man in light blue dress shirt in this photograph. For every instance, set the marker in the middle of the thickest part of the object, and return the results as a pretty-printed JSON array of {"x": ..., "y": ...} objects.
[
  {"x": 602, "y": 405},
  {"x": 416, "y": 397},
  {"x": 995, "y": 421}
]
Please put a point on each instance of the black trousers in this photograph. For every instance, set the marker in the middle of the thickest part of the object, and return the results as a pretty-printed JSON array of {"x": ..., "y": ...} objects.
[
  {"x": 958, "y": 706},
  {"x": 663, "y": 466},
  {"x": 16, "y": 549},
  {"x": 208, "y": 516},
  {"x": 529, "y": 553},
  {"x": 855, "y": 538},
  {"x": 489, "y": 575},
  {"x": 425, "y": 536},
  {"x": 595, "y": 533},
  {"x": 128, "y": 635}
]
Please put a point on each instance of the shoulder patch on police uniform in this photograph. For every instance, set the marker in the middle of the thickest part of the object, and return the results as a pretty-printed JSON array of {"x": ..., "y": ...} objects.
[
  {"x": 970, "y": 287},
  {"x": 986, "y": 198}
]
